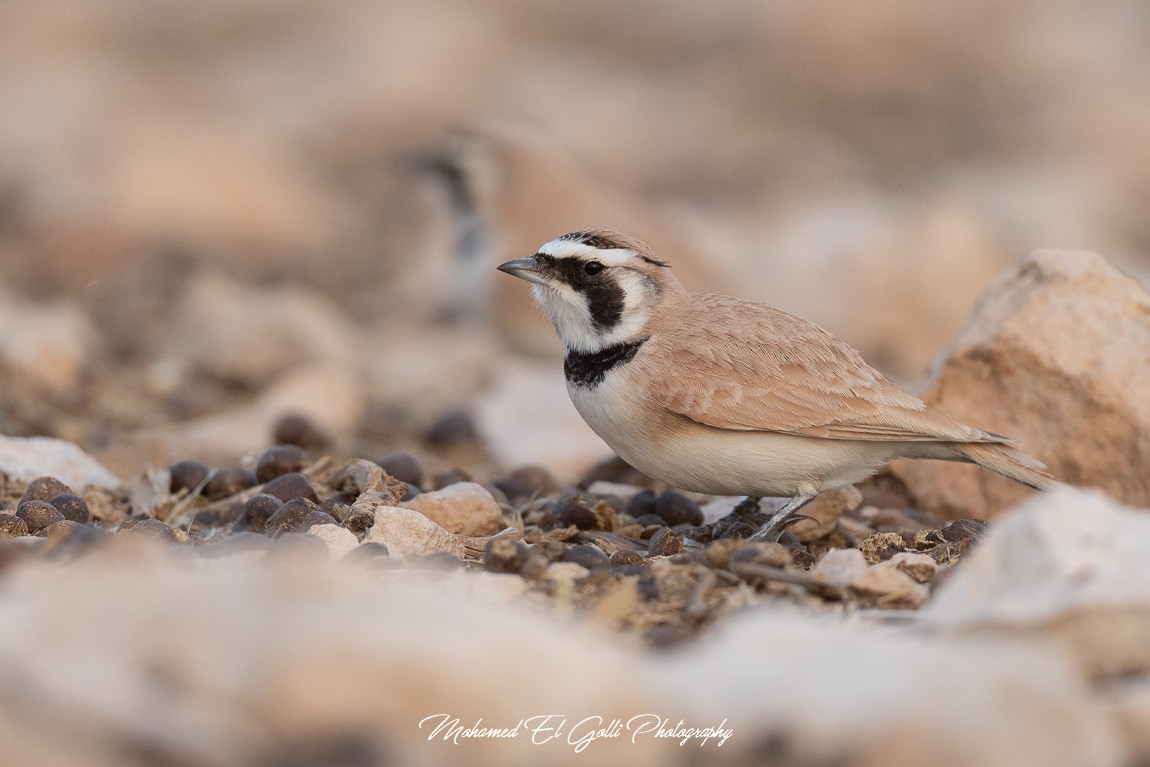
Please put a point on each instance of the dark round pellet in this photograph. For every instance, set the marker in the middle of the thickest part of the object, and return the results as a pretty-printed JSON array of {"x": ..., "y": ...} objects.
[
  {"x": 43, "y": 489},
  {"x": 648, "y": 520},
  {"x": 439, "y": 561},
  {"x": 296, "y": 516},
  {"x": 257, "y": 511},
  {"x": 228, "y": 481},
  {"x": 296, "y": 429},
  {"x": 665, "y": 543},
  {"x": 626, "y": 558},
  {"x": 288, "y": 487},
  {"x": 403, "y": 467},
  {"x": 281, "y": 459},
  {"x": 574, "y": 510},
  {"x": 366, "y": 552},
  {"x": 641, "y": 504},
  {"x": 677, "y": 509},
  {"x": 504, "y": 554},
  {"x": 68, "y": 538},
  {"x": 527, "y": 482},
  {"x": 588, "y": 555},
  {"x": 38, "y": 515},
  {"x": 187, "y": 475},
  {"x": 454, "y": 428},
  {"x": 73, "y": 507},
  {"x": 147, "y": 529},
  {"x": 12, "y": 526}
]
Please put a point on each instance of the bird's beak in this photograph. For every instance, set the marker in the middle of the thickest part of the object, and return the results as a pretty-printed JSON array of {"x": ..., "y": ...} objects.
[{"x": 524, "y": 268}]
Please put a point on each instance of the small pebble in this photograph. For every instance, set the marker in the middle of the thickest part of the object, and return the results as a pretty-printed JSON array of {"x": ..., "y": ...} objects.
[
  {"x": 73, "y": 507},
  {"x": 439, "y": 561},
  {"x": 718, "y": 553},
  {"x": 281, "y": 459},
  {"x": 535, "y": 567},
  {"x": 588, "y": 555},
  {"x": 288, "y": 487},
  {"x": 187, "y": 475},
  {"x": 228, "y": 481},
  {"x": 626, "y": 558},
  {"x": 296, "y": 429},
  {"x": 366, "y": 552},
  {"x": 763, "y": 553},
  {"x": 881, "y": 547},
  {"x": 677, "y": 509},
  {"x": 403, "y": 467},
  {"x": 38, "y": 515},
  {"x": 448, "y": 478},
  {"x": 44, "y": 488},
  {"x": 257, "y": 511},
  {"x": 147, "y": 529},
  {"x": 527, "y": 482},
  {"x": 454, "y": 428},
  {"x": 242, "y": 542},
  {"x": 649, "y": 520},
  {"x": 359, "y": 520},
  {"x": 665, "y": 543},
  {"x": 642, "y": 504},
  {"x": 296, "y": 516},
  {"x": 294, "y": 546},
  {"x": 576, "y": 512},
  {"x": 647, "y": 587},
  {"x": 67, "y": 538},
  {"x": 504, "y": 554},
  {"x": 964, "y": 531},
  {"x": 12, "y": 526}
]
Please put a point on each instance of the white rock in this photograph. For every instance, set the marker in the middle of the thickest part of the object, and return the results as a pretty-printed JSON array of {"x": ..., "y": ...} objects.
[
  {"x": 339, "y": 539},
  {"x": 27, "y": 458},
  {"x": 464, "y": 507},
  {"x": 1068, "y": 562},
  {"x": 1054, "y": 355},
  {"x": 839, "y": 567},
  {"x": 566, "y": 571},
  {"x": 826, "y": 692},
  {"x": 889, "y": 586},
  {"x": 408, "y": 533}
]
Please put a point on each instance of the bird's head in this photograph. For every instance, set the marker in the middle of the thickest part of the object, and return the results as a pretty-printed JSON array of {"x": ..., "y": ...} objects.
[{"x": 599, "y": 287}]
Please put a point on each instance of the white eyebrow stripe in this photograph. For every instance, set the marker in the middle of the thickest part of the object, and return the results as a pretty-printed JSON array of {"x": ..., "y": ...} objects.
[{"x": 571, "y": 249}]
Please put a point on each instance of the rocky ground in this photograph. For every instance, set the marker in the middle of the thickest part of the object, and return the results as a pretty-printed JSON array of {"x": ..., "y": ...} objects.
[{"x": 334, "y": 599}]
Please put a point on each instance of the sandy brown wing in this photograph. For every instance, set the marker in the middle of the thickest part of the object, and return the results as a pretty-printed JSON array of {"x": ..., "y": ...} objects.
[{"x": 746, "y": 366}]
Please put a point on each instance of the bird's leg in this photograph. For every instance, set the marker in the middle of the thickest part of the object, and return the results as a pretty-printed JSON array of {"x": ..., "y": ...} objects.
[{"x": 779, "y": 520}]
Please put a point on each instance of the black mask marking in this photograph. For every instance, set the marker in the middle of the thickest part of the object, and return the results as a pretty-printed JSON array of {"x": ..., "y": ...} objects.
[
  {"x": 605, "y": 298},
  {"x": 588, "y": 369}
]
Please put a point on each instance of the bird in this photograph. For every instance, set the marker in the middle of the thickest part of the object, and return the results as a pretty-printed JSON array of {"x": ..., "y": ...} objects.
[
  {"x": 725, "y": 396},
  {"x": 507, "y": 188}
]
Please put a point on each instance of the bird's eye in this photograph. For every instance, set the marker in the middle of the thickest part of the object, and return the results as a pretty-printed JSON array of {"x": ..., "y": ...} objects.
[{"x": 593, "y": 267}]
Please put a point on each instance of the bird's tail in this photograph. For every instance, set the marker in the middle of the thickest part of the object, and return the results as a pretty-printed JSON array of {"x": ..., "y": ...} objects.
[{"x": 1007, "y": 461}]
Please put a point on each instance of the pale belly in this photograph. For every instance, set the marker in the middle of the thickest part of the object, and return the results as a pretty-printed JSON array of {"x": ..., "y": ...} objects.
[{"x": 717, "y": 461}]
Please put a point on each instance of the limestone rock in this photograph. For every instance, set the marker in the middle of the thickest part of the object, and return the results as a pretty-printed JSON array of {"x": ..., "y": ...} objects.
[
  {"x": 27, "y": 458},
  {"x": 839, "y": 567},
  {"x": 825, "y": 511},
  {"x": 1071, "y": 563},
  {"x": 339, "y": 539},
  {"x": 464, "y": 507},
  {"x": 889, "y": 586},
  {"x": 826, "y": 692},
  {"x": 408, "y": 533},
  {"x": 1055, "y": 356}
]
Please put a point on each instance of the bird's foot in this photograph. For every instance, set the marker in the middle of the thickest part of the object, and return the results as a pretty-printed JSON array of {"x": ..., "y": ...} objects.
[{"x": 773, "y": 528}]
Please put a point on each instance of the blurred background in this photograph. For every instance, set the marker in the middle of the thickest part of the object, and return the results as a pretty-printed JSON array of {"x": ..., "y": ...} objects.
[{"x": 214, "y": 215}]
